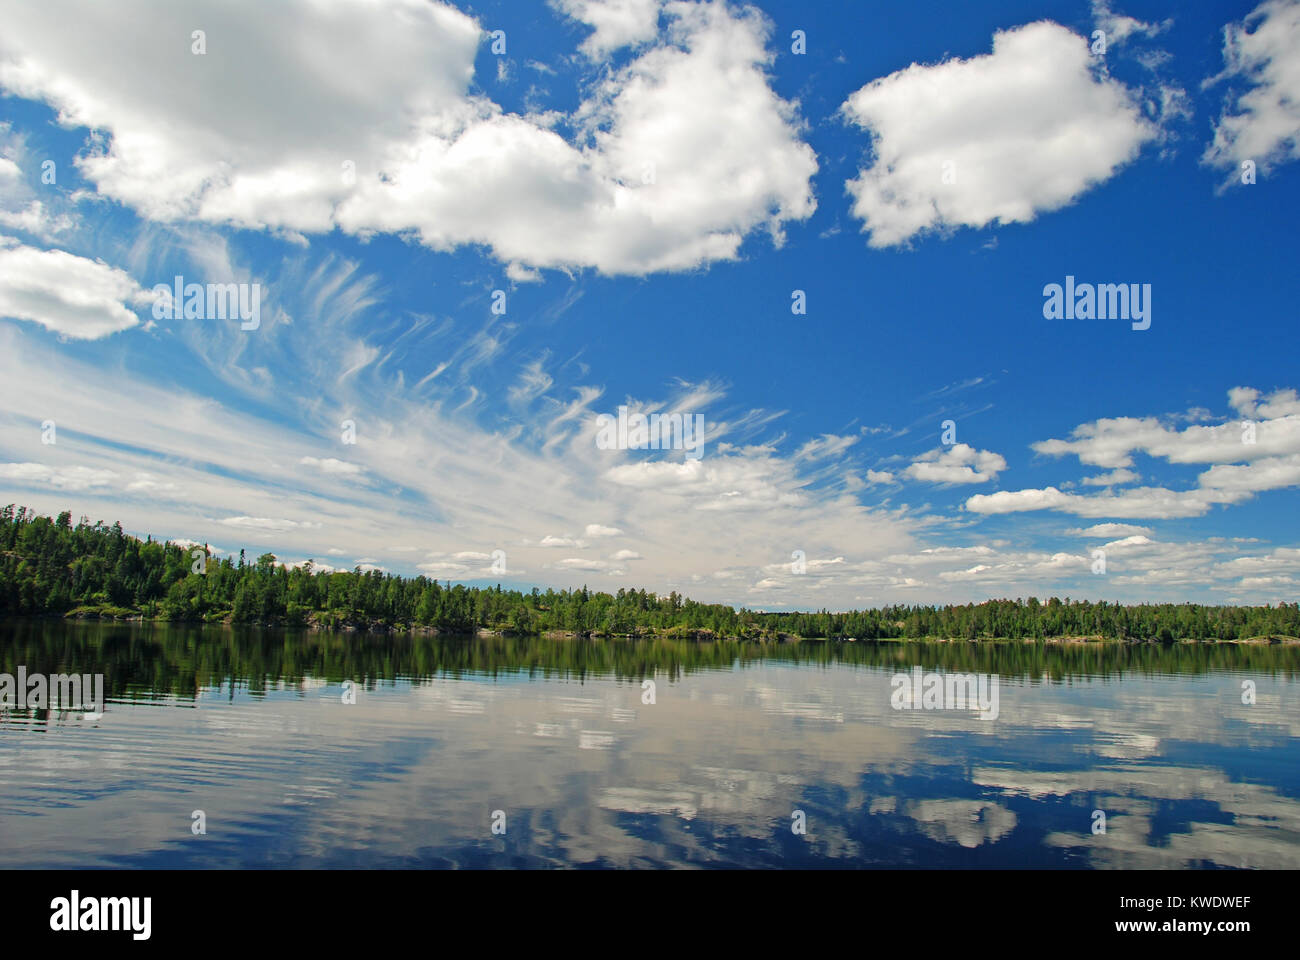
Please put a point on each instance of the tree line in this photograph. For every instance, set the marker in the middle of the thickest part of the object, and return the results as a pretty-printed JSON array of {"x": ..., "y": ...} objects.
[
  {"x": 152, "y": 659},
  {"x": 49, "y": 566}
]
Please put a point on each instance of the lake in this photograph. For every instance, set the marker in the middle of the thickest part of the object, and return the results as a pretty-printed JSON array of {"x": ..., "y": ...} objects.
[{"x": 531, "y": 752}]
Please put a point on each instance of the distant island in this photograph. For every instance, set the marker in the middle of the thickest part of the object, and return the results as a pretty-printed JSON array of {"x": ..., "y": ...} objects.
[{"x": 49, "y": 567}]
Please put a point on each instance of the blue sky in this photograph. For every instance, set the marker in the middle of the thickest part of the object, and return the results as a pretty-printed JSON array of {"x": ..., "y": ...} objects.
[{"x": 647, "y": 185}]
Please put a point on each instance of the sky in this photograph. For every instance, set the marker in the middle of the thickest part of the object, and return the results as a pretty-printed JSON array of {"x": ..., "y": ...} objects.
[{"x": 467, "y": 237}]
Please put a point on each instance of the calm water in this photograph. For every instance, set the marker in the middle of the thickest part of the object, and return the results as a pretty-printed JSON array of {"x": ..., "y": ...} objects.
[{"x": 251, "y": 728}]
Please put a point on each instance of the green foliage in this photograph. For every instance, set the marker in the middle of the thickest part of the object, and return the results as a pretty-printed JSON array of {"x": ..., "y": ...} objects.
[{"x": 52, "y": 567}]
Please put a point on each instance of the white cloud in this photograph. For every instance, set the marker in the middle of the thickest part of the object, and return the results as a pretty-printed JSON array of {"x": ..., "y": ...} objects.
[
  {"x": 464, "y": 489},
  {"x": 617, "y": 23},
  {"x": 551, "y": 541},
  {"x": 34, "y": 219},
  {"x": 19, "y": 208},
  {"x": 1111, "y": 479},
  {"x": 959, "y": 463},
  {"x": 1026, "y": 129},
  {"x": 1098, "y": 530},
  {"x": 148, "y": 483},
  {"x": 825, "y": 446},
  {"x": 533, "y": 382},
  {"x": 595, "y": 530},
  {"x": 64, "y": 478},
  {"x": 330, "y": 465},
  {"x": 199, "y": 136},
  {"x": 1137, "y": 540},
  {"x": 1243, "y": 400},
  {"x": 70, "y": 295},
  {"x": 316, "y": 565},
  {"x": 720, "y": 529},
  {"x": 518, "y": 273},
  {"x": 722, "y": 483},
  {"x": 880, "y": 477},
  {"x": 677, "y": 156},
  {"x": 186, "y": 544},
  {"x": 1279, "y": 403},
  {"x": 1112, "y": 442},
  {"x": 1264, "y": 122},
  {"x": 1240, "y": 480},
  {"x": 1119, "y": 27},
  {"x": 590, "y": 566},
  {"x": 1248, "y": 457},
  {"x": 264, "y": 524},
  {"x": 1153, "y": 502},
  {"x": 444, "y": 568}
]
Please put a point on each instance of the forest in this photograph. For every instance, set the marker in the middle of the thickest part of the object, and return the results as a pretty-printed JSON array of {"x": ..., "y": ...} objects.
[{"x": 51, "y": 567}]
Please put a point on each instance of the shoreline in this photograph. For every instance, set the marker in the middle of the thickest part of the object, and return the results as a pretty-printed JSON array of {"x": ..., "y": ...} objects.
[{"x": 378, "y": 628}]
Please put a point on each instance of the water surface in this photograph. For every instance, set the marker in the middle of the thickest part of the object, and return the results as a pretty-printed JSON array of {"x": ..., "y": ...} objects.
[{"x": 251, "y": 727}]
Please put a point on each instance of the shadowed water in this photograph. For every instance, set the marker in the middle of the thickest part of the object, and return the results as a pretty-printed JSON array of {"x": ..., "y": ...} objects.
[{"x": 251, "y": 727}]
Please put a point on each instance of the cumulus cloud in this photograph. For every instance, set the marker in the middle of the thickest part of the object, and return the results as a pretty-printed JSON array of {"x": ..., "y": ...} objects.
[
  {"x": 360, "y": 115},
  {"x": 1241, "y": 480},
  {"x": 76, "y": 298},
  {"x": 1112, "y": 442},
  {"x": 1248, "y": 457},
  {"x": 1280, "y": 403},
  {"x": 617, "y": 23},
  {"x": 999, "y": 138},
  {"x": 255, "y": 130},
  {"x": 721, "y": 483},
  {"x": 1263, "y": 122},
  {"x": 959, "y": 463}
]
